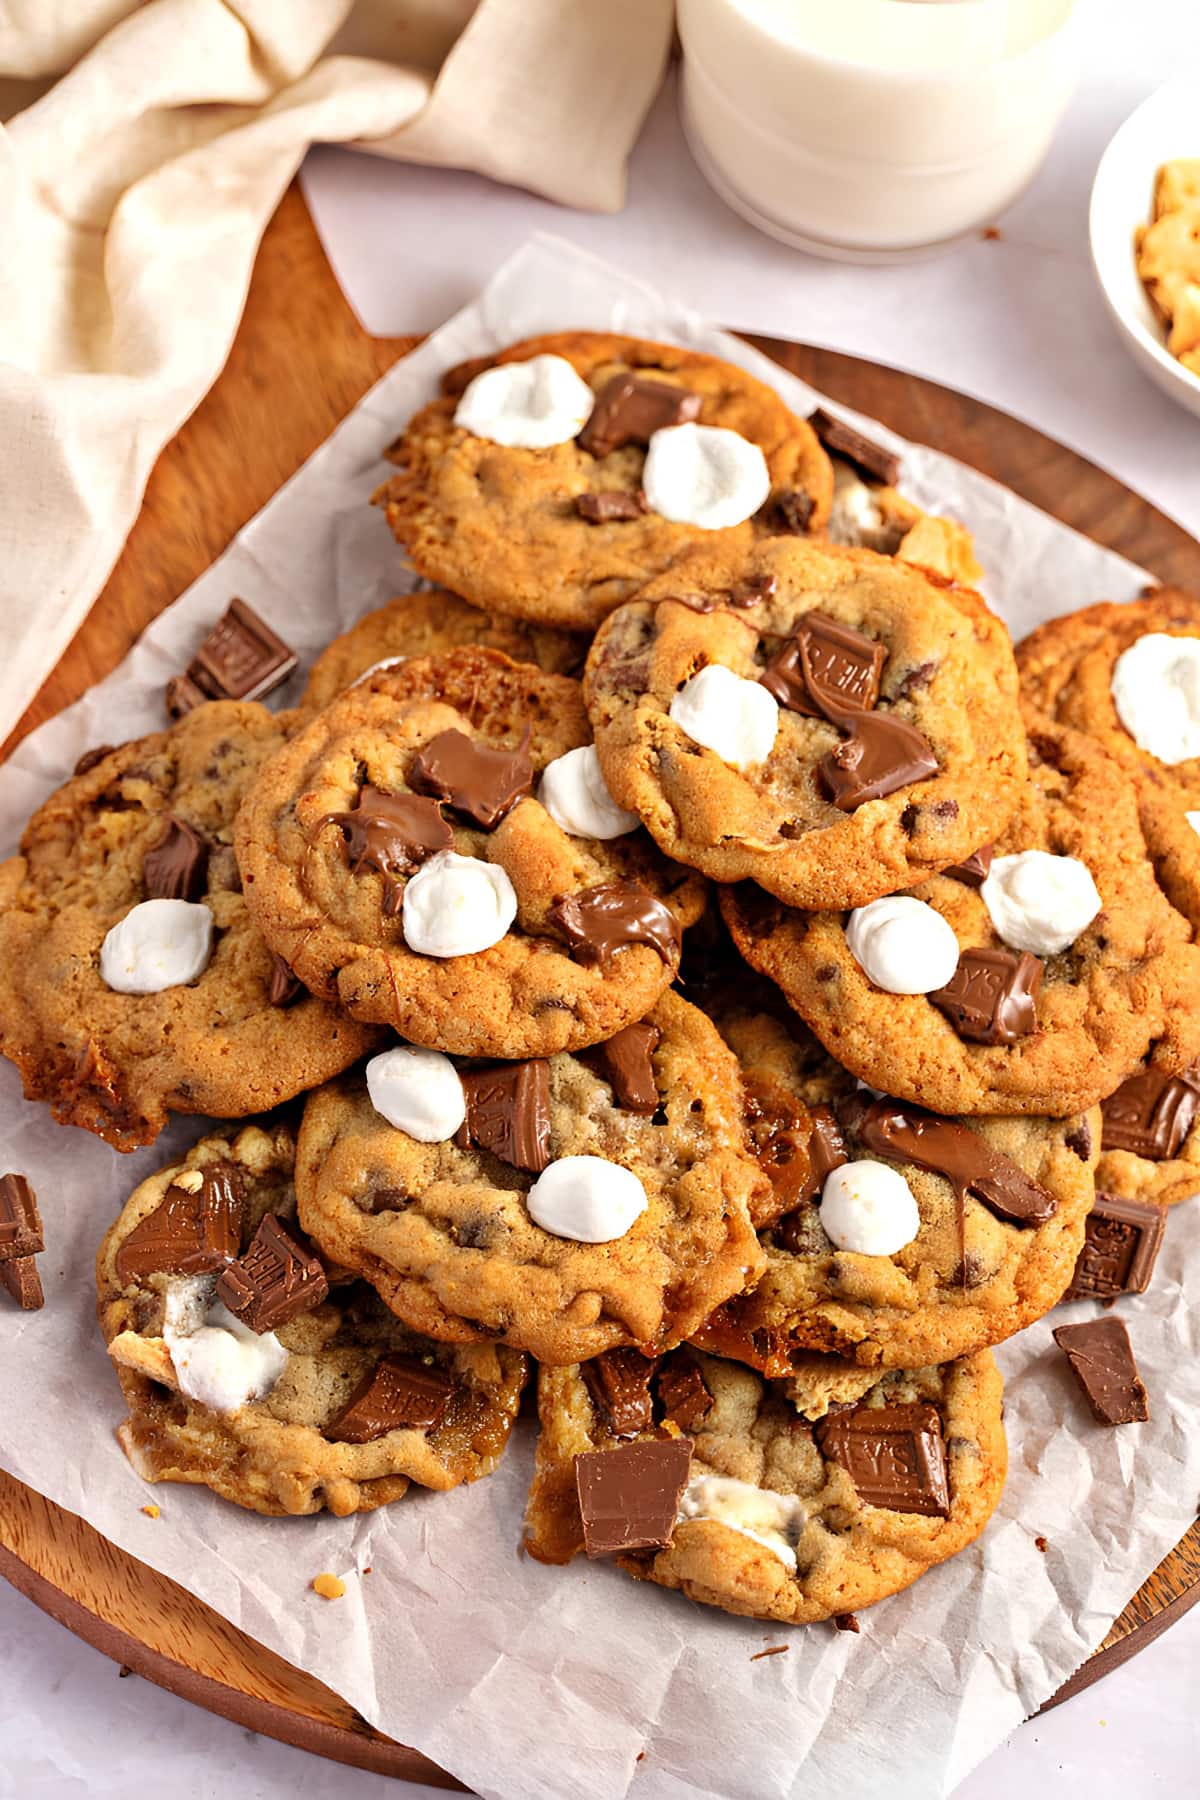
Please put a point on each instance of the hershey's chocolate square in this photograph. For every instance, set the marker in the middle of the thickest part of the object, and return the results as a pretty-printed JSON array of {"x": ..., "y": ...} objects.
[
  {"x": 629, "y": 409},
  {"x": 992, "y": 996},
  {"x": 398, "y": 1393},
  {"x": 625, "y": 1061},
  {"x": 619, "y": 1384},
  {"x": 882, "y": 754},
  {"x": 1150, "y": 1114},
  {"x": 894, "y": 1455},
  {"x": 683, "y": 1391},
  {"x": 1120, "y": 1247},
  {"x": 629, "y": 1496},
  {"x": 20, "y": 1221},
  {"x": 195, "y": 1229},
  {"x": 826, "y": 667},
  {"x": 868, "y": 457},
  {"x": 508, "y": 1112},
  {"x": 241, "y": 658},
  {"x": 176, "y": 867},
  {"x": 1101, "y": 1359},
  {"x": 274, "y": 1281},
  {"x": 20, "y": 1276}
]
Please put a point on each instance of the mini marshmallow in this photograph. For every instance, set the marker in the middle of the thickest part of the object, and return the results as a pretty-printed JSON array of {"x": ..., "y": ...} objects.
[
  {"x": 1156, "y": 691},
  {"x": 527, "y": 405},
  {"x": 737, "y": 719},
  {"x": 704, "y": 475},
  {"x": 773, "y": 1520},
  {"x": 1040, "y": 902},
  {"x": 158, "y": 944},
  {"x": 586, "y": 1199},
  {"x": 902, "y": 945},
  {"x": 573, "y": 792},
  {"x": 222, "y": 1364},
  {"x": 417, "y": 1091},
  {"x": 869, "y": 1209},
  {"x": 457, "y": 905}
]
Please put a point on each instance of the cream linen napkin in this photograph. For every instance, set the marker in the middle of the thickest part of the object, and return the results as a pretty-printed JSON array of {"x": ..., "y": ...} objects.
[{"x": 134, "y": 190}]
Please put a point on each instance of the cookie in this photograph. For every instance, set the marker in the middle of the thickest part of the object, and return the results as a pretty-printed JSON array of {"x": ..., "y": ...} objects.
[
  {"x": 340, "y": 1405},
  {"x": 506, "y": 525},
  {"x": 1150, "y": 1143},
  {"x": 909, "y": 756},
  {"x": 786, "y": 1512},
  {"x": 968, "y": 1020},
  {"x": 1068, "y": 668},
  {"x": 425, "y": 624},
  {"x": 393, "y": 853},
  {"x": 152, "y": 821},
  {"x": 872, "y": 515},
  {"x": 446, "y": 1228},
  {"x": 991, "y": 1220}
]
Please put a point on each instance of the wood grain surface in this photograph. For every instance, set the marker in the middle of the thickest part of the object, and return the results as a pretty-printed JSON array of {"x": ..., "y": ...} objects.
[{"x": 300, "y": 362}]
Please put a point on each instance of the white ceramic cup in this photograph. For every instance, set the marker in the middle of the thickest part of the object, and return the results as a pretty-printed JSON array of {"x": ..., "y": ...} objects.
[{"x": 871, "y": 129}]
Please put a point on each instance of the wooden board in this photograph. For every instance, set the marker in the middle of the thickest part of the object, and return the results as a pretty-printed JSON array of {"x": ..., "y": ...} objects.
[{"x": 299, "y": 364}]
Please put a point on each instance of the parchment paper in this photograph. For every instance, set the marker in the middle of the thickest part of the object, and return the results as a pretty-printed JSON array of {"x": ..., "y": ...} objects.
[{"x": 544, "y": 1684}]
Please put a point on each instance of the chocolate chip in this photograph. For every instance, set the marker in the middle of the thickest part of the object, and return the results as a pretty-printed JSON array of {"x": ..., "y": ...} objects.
[
  {"x": 1079, "y": 1139},
  {"x": 788, "y": 513},
  {"x": 974, "y": 869},
  {"x": 284, "y": 989},
  {"x": 610, "y": 507},
  {"x": 625, "y": 1062}
]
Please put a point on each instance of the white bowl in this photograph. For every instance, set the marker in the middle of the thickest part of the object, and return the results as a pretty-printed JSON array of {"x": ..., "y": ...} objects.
[{"x": 1165, "y": 126}]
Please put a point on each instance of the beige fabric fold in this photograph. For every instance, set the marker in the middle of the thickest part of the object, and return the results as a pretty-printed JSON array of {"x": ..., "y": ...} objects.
[{"x": 134, "y": 191}]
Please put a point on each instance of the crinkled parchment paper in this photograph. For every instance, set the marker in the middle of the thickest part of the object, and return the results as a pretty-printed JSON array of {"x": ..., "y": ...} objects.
[{"x": 546, "y": 1684}]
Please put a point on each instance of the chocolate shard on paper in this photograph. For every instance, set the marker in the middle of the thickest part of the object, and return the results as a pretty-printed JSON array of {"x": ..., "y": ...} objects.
[
  {"x": 176, "y": 868},
  {"x": 629, "y": 1496},
  {"x": 894, "y": 1455},
  {"x": 629, "y": 409},
  {"x": 991, "y": 998},
  {"x": 974, "y": 870},
  {"x": 964, "y": 1157},
  {"x": 869, "y": 458},
  {"x": 20, "y": 1276},
  {"x": 241, "y": 658},
  {"x": 195, "y": 1229},
  {"x": 1101, "y": 1359},
  {"x": 625, "y": 1061},
  {"x": 275, "y": 1280},
  {"x": 882, "y": 754},
  {"x": 20, "y": 1221},
  {"x": 285, "y": 989},
  {"x": 508, "y": 1112},
  {"x": 599, "y": 922},
  {"x": 619, "y": 1384},
  {"x": 1150, "y": 1114},
  {"x": 610, "y": 507},
  {"x": 471, "y": 777},
  {"x": 393, "y": 833},
  {"x": 1120, "y": 1248},
  {"x": 683, "y": 1391},
  {"x": 826, "y": 668},
  {"x": 399, "y": 1393}
]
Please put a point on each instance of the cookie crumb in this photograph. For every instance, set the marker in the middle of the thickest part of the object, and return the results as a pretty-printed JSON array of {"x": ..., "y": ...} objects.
[
  {"x": 992, "y": 234},
  {"x": 123, "y": 1671},
  {"x": 367, "y": 1570},
  {"x": 774, "y": 1650},
  {"x": 329, "y": 1587},
  {"x": 151, "y": 1511},
  {"x": 1042, "y": 1544},
  {"x": 191, "y": 1181}
]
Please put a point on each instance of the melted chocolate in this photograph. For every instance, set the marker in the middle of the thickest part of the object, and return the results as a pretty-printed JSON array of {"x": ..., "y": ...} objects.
[
  {"x": 393, "y": 833},
  {"x": 599, "y": 922},
  {"x": 474, "y": 779},
  {"x": 967, "y": 1160}
]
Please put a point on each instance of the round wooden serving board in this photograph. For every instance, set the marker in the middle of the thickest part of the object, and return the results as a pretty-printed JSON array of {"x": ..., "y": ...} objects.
[{"x": 300, "y": 362}]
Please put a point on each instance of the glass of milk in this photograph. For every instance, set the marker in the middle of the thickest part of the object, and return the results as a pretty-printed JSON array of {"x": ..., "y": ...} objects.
[{"x": 873, "y": 129}]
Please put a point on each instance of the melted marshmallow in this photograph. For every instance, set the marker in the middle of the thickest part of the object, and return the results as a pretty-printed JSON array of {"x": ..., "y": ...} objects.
[
  {"x": 526, "y": 405},
  {"x": 704, "y": 475},
  {"x": 1040, "y": 902},
  {"x": 773, "y": 1520},
  {"x": 586, "y": 1199},
  {"x": 158, "y": 944},
  {"x": 574, "y": 793},
  {"x": 417, "y": 1091},
  {"x": 1156, "y": 691},
  {"x": 902, "y": 945},
  {"x": 457, "y": 905},
  {"x": 869, "y": 1209},
  {"x": 220, "y": 1363},
  {"x": 737, "y": 719}
]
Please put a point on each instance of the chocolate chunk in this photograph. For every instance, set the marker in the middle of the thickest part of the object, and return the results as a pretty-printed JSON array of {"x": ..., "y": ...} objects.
[
  {"x": 788, "y": 513},
  {"x": 599, "y": 922},
  {"x": 393, "y": 833},
  {"x": 796, "y": 1145},
  {"x": 826, "y": 668},
  {"x": 176, "y": 868},
  {"x": 399, "y": 1393},
  {"x": 967, "y": 1160},
  {"x": 625, "y": 1063},
  {"x": 991, "y": 998},
  {"x": 276, "y": 1279},
  {"x": 883, "y": 753},
  {"x": 869, "y": 458},
  {"x": 20, "y": 1221},
  {"x": 847, "y": 1622},
  {"x": 1120, "y": 1248},
  {"x": 629, "y": 409},
  {"x": 90, "y": 758},
  {"x": 473, "y": 779},
  {"x": 610, "y": 507},
  {"x": 508, "y": 1112},
  {"x": 1079, "y": 1140},
  {"x": 285, "y": 989},
  {"x": 1150, "y": 1114},
  {"x": 619, "y": 1384},
  {"x": 974, "y": 870},
  {"x": 20, "y": 1276},
  {"x": 894, "y": 1455},
  {"x": 683, "y": 1391},
  {"x": 183, "y": 696},
  {"x": 1101, "y": 1359},
  {"x": 195, "y": 1229},
  {"x": 241, "y": 658},
  {"x": 629, "y": 1497}
]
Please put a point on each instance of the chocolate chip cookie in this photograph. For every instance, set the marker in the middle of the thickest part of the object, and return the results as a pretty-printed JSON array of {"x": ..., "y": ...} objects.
[
  {"x": 832, "y": 723},
  {"x": 427, "y": 623},
  {"x": 394, "y": 854},
  {"x": 152, "y": 822},
  {"x": 697, "y": 1474},
  {"x": 561, "y": 534},
  {"x": 1006, "y": 1030},
  {"x": 453, "y": 1231},
  {"x": 340, "y": 1405}
]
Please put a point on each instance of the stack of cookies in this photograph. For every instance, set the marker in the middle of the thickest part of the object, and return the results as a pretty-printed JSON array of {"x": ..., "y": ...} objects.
[{"x": 674, "y": 955}]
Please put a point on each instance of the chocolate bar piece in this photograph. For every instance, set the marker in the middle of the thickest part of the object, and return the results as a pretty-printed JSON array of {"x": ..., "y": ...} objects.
[
  {"x": 629, "y": 409},
  {"x": 610, "y": 507},
  {"x": 1101, "y": 1359},
  {"x": 869, "y": 458},
  {"x": 598, "y": 922},
  {"x": 625, "y": 1062},
  {"x": 974, "y": 870},
  {"x": 826, "y": 667},
  {"x": 176, "y": 868},
  {"x": 472, "y": 778},
  {"x": 963, "y": 1156},
  {"x": 991, "y": 998},
  {"x": 241, "y": 658},
  {"x": 508, "y": 1112},
  {"x": 195, "y": 1229},
  {"x": 894, "y": 1455},
  {"x": 619, "y": 1384},
  {"x": 882, "y": 753},
  {"x": 276, "y": 1279},
  {"x": 20, "y": 1276},
  {"x": 399, "y": 1393},
  {"x": 183, "y": 696},
  {"x": 393, "y": 833},
  {"x": 1120, "y": 1249},
  {"x": 285, "y": 988},
  {"x": 683, "y": 1391},
  {"x": 788, "y": 513},
  {"x": 20, "y": 1221},
  {"x": 629, "y": 1497},
  {"x": 1150, "y": 1114}
]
